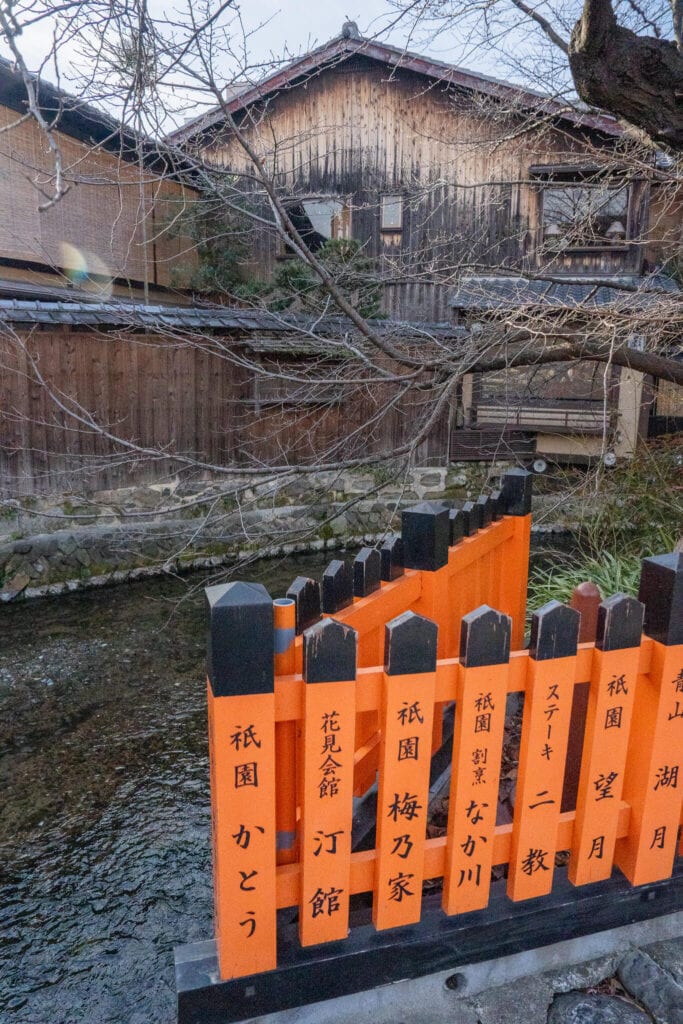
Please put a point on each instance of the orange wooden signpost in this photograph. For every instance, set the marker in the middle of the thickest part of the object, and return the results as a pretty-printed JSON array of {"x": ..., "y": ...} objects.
[
  {"x": 327, "y": 789},
  {"x": 655, "y": 750},
  {"x": 304, "y": 709},
  {"x": 608, "y": 724},
  {"x": 242, "y": 763},
  {"x": 481, "y": 694},
  {"x": 545, "y": 731},
  {"x": 405, "y": 755}
]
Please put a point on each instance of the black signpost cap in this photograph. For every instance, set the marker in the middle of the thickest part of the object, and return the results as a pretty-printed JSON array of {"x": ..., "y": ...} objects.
[
  {"x": 620, "y": 623},
  {"x": 515, "y": 492},
  {"x": 485, "y": 510},
  {"x": 471, "y": 518},
  {"x": 661, "y": 591},
  {"x": 329, "y": 652},
  {"x": 240, "y": 641},
  {"x": 496, "y": 505},
  {"x": 425, "y": 533},
  {"x": 366, "y": 572},
  {"x": 337, "y": 589},
  {"x": 456, "y": 522},
  {"x": 485, "y": 637},
  {"x": 305, "y": 592},
  {"x": 554, "y": 632},
  {"x": 410, "y": 645},
  {"x": 391, "y": 558}
]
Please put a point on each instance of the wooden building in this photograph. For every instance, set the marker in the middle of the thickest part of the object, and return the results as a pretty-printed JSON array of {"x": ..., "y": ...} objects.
[
  {"x": 434, "y": 170},
  {"x": 112, "y": 232},
  {"x": 453, "y": 183}
]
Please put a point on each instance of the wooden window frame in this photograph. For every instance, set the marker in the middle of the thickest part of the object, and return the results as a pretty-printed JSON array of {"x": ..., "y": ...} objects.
[
  {"x": 389, "y": 199},
  {"x": 573, "y": 176}
]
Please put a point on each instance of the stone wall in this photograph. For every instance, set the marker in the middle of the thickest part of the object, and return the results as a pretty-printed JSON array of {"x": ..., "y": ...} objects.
[{"x": 64, "y": 544}]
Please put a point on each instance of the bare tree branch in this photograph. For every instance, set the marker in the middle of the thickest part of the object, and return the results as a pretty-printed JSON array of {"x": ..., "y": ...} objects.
[{"x": 535, "y": 15}]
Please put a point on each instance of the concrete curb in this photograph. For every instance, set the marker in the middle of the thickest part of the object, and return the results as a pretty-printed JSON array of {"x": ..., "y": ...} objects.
[{"x": 517, "y": 989}]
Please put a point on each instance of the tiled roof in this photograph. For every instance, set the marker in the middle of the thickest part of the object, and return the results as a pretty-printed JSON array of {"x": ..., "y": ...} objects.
[
  {"x": 73, "y": 116},
  {"x": 486, "y": 292},
  {"x": 187, "y": 318}
]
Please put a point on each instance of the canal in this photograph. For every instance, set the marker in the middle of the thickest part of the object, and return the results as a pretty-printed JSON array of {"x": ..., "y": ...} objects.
[{"x": 105, "y": 860}]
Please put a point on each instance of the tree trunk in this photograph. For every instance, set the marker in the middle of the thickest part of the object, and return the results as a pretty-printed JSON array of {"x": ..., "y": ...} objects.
[{"x": 638, "y": 78}]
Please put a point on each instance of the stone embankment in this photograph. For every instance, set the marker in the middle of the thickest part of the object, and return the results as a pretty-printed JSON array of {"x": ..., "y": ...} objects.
[{"x": 64, "y": 544}]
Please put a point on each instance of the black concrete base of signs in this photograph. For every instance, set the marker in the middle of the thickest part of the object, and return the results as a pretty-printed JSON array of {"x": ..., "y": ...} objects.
[{"x": 368, "y": 959}]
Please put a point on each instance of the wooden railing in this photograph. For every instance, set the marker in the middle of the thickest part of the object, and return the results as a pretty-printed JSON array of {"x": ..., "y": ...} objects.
[
  {"x": 580, "y": 416},
  {"x": 361, "y": 691}
]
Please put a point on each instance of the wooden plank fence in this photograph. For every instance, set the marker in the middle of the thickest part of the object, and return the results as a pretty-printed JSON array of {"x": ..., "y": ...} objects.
[{"x": 358, "y": 690}]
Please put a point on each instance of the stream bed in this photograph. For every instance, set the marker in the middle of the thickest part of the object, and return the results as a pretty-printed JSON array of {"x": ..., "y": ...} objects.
[
  {"x": 105, "y": 851},
  {"x": 105, "y": 857}
]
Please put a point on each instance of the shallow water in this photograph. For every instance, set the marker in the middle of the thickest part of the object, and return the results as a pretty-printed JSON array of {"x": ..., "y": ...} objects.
[{"x": 105, "y": 860}]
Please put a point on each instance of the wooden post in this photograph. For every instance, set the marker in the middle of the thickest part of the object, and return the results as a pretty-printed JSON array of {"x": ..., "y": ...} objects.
[
  {"x": 545, "y": 727},
  {"x": 426, "y": 533},
  {"x": 337, "y": 586},
  {"x": 610, "y": 704},
  {"x": 586, "y": 600},
  {"x": 653, "y": 783},
  {"x": 405, "y": 755},
  {"x": 242, "y": 764},
  {"x": 477, "y": 744},
  {"x": 515, "y": 500},
  {"x": 391, "y": 555},
  {"x": 305, "y": 592},
  {"x": 284, "y": 610},
  {"x": 366, "y": 572},
  {"x": 327, "y": 804}
]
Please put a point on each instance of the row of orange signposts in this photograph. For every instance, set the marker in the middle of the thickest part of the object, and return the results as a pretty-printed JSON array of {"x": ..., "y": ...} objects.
[{"x": 314, "y": 697}]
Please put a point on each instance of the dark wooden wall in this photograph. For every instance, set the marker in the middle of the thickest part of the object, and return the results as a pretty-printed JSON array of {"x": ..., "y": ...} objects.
[
  {"x": 462, "y": 165},
  {"x": 69, "y": 400}
]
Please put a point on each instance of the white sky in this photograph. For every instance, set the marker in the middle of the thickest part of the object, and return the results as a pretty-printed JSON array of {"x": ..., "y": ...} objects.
[{"x": 280, "y": 29}]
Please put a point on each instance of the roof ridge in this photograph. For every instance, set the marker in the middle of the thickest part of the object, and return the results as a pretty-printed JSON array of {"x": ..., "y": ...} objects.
[{"x": 312, "y": 61}]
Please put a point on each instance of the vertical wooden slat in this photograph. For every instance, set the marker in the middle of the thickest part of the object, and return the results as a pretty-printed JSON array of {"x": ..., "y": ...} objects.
[
  {"x": 367, "y": 566},
  {"x": 515, "y": 501},
  {"x": 366, "y": 572},
  {"x": 586, "y": 600},
  {"x": 608, "y": 721},
  {"x": 545, "y": 727},
  {"x": 391, "y": 555},
  {"x": 284, "y": 624},
  {"x": 426, "y": 535},
  {"x": 305, "y": 592},
  {"x": 405, "y": 756},
  {"x": 337, "y": 586},
  {"x": 477, "y": 746},
  {"x": 653, "y": 784},
  {"x": 242, "y": 765},
  {"x": 327, "y": 788}
]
